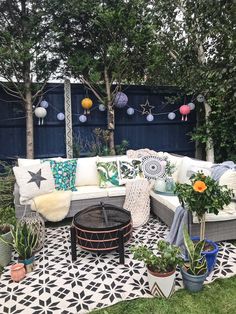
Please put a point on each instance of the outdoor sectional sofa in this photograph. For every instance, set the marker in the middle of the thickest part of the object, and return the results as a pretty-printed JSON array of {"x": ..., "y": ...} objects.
[{"x": 218, "y": 227}]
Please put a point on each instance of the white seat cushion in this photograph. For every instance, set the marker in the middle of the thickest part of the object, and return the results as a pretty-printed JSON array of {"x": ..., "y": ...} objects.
[
  {"x": 116, "y": 191},
  {"x": 87, "y": 192},
  {"x": 172, "y": 202}
]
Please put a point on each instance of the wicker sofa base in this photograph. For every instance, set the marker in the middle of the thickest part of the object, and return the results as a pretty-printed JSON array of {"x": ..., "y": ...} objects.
[
  {"x": 215, "y": 231},
  {"x": 77, "y": 205}
]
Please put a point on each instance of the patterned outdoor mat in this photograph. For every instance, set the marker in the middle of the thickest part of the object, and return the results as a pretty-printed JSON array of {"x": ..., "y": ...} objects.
[{"x": 58, "y": 286}]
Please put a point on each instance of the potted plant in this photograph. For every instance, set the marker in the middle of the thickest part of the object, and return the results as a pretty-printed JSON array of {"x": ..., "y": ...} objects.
[
  {"x": 24, "y": 241},
  {"x": 204, "y": 195},
  {"x": 195, "y": 271},
  {"x": 160, "y": 268},
  {"x": 7, "y": 219}
]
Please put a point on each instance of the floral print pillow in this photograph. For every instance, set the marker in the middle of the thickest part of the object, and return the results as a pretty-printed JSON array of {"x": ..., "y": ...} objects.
[
  {"x": 129, "y": 170},
  {"x": 108, "y": 174},
  {"x": 64, "y": 173}
]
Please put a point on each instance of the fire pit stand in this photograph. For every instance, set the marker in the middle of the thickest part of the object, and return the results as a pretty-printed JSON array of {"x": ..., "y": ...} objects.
[{"x": 101, "y": 228}]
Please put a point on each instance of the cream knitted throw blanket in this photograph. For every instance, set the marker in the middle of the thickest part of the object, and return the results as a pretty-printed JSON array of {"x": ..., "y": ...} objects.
[
  {"x": 53, "y": 206},
  {"x": 137, "y": 201}
]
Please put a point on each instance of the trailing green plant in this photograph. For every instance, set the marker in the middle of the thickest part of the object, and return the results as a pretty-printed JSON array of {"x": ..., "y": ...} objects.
[
  {"x": 203, "y": 195},
  {"x": 169, "y": 256},
  {"x": 7, "y": 216},
  {"x": 122, "y": 147},
  {"x": 24, "y": 240},
  {"x": 7, "y": 181},
  {"x": 197, "y": 264}
]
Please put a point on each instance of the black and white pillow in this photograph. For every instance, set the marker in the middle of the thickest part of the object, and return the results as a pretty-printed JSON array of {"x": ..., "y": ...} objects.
[
  {"x": 153, "y": 167},
  {"x": 34, "y": 180}
]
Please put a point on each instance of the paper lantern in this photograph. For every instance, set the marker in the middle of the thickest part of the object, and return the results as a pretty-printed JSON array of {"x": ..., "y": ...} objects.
[
  {"x": 82, "y": 118},
  {"x": 150, "y": 117},
  {"x": 44, "y": 104},
  {"x": 171, "y": 116},
  {"x": 191, "y": 106},
  {"x": 200, "y": 98},
  {"x": 102, "y": 107},
  {"x": 120, "y": 100},
  {"x": 40, "y": 113},
  {"x": 60, "y": 116},
  {"x": 130, "y": 111},
  {"x": 86, "y": 104},
  {"x": 184, "y": 110}
]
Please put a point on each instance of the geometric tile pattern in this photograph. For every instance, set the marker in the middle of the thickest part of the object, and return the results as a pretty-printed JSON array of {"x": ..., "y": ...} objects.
[{"x": 60, "y": 286}]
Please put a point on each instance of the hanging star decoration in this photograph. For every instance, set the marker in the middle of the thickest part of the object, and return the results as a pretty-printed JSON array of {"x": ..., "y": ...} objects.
[
  {"x": 147, "y": 108},
  {"x": 36, "y": 178}
]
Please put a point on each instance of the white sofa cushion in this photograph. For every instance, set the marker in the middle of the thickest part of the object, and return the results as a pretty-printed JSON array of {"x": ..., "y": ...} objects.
[
  {"x": 172, "y": 202},
  {"x": 190, "y": 166},
  {"x": 229, "y": 178},
  {"x": 86, "y": 172},
  {"x": 34, "y": 180},
  {"x": 116, "y": 191},
  {"x": 88, "y": 192}
]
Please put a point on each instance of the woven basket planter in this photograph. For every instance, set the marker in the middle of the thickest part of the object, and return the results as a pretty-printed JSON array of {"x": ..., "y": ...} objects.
[{"x": 36, "y": 222}]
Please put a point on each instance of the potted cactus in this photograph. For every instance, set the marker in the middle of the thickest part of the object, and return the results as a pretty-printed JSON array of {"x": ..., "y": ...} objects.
[
  {"x": 161, "y": 267},
  {"x": 194, "y": 272}
]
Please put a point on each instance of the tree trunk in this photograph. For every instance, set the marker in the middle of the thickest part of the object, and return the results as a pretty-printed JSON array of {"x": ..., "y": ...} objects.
[
  {"x": 29, "y": 125},
  {"x": 110, "y": 115},
  {"x": 209, "y": 144}
]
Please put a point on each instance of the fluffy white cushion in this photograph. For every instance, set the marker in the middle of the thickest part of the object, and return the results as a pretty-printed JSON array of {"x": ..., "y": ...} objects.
[
  {"x": 190, "y": 166},
  {"x": 86, "y": 172},
  {"x": 34, "y": 180}
]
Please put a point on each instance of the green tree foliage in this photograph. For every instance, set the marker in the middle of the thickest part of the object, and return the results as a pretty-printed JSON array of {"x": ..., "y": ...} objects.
[
  {"x": 26, "y": 54},
  {"x": 197, "y": 47},
  {"x": 104, "y": 42}
]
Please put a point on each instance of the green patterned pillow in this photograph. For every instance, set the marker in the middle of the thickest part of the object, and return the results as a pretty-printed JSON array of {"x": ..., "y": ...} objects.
[
  {"x": 64, "y": 173},
  {"x": 129, "y": 170},
  {"x": 108, "y": 173}
]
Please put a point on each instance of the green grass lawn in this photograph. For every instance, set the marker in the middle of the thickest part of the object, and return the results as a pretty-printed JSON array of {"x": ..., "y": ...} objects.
[{"x": 216, "y": 298}]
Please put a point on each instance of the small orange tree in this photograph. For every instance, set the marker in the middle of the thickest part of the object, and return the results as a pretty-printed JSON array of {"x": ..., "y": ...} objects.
[{"x": 203, "y": 195}]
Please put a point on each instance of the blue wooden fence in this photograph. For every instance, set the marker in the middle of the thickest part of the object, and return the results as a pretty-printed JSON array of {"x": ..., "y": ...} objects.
[{"x": 162, "y": 134}]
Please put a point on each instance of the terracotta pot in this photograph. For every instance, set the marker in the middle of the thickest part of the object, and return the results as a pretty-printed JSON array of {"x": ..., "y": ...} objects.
[
  {"x": 161, "y": 284},
  {"x": 17, "y": 272}
]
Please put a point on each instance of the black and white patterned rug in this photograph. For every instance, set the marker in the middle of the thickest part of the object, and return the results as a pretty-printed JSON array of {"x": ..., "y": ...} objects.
[{"x": 58, "y": 286}]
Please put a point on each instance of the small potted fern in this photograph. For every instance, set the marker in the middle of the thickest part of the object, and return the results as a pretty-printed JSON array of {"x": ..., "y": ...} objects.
[{"x": 161, "y": 267}]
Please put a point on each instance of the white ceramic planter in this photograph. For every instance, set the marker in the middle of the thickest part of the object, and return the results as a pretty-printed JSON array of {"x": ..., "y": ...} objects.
[{"x": 161, "y": 285}]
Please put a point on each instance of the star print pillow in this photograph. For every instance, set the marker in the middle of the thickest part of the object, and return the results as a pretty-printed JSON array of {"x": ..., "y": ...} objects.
[{"x": 34, "y": 180}]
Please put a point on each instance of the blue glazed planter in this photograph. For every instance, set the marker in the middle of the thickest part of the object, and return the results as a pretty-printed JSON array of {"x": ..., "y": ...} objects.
[
  {"x": 211, "y": 255},
  {"x": 29, "y": 264},
  {"x": 191, "y": 282}
]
